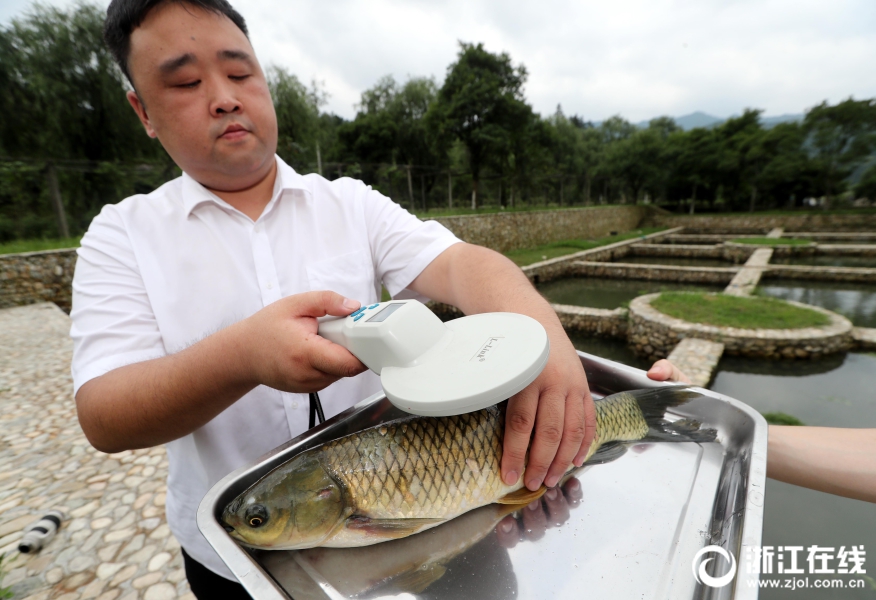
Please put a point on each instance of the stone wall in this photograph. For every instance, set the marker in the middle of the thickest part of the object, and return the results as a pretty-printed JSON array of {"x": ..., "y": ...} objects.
[
  {"x": 556, "y": 268},
  {"x": 508, "y": 231},
  {"x": 653, "y": 272},
  {"x": 850, "y": 274},
  {"x": 33, "y": 277},
  {"x": 761, "y": 222},
  {"x": 653, "y": 335},
  {"x": 677, "y": 250}
]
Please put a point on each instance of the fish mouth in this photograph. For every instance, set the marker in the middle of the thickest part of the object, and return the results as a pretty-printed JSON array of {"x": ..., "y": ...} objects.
[{"x": 228, "y": 528}]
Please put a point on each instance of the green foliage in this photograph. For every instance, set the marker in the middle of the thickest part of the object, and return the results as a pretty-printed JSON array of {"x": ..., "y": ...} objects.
[
  {"x": 780, "y": 418},
  {"x": 766, "y": 241},
  {"x": 481, "y": 103},
  {"x": 299, "y": 126},
  {"x": 724, "y": 310},
  {"x": 37, "y": 245},
  {"x": 470, "y": 140},
  {"x": 866, "y": 187}
]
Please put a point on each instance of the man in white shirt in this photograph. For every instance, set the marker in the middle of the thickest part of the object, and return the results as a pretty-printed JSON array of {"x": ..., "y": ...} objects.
[{"x": 194, "y": 307}]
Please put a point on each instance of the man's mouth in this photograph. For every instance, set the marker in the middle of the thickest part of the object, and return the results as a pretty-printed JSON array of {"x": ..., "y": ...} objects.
[{"x": 234, "y": 131}]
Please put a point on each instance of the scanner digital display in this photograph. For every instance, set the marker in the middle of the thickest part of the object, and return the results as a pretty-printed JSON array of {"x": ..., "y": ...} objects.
[{"x": 384, "y": 314}]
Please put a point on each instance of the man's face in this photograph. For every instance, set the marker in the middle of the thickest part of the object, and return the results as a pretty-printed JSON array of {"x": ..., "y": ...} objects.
[{"x": 201, "y": 91}]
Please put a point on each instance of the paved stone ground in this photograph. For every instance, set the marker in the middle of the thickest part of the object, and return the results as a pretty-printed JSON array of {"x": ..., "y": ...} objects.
[
  {"x": 749, "y": 276},
  {"x": 115, "y": 543},
  {"x": 697, "y": 359}
]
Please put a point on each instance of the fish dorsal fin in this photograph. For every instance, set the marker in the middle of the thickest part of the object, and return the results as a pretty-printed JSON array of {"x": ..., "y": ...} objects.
[
  {"x": 417, "y": 580},
  {"x": 522, "y": 496},
  {"x": 389, "y": 529}
]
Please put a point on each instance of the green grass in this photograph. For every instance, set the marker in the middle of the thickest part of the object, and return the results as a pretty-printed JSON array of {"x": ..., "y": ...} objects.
[
  {"x": 780, "y": 418},
  {"x": 722, "y": 310},
  {"x": 491, "y": 209},
  {"x": 528, "y": 256},
  {"x": 765, "y": 241},
  {"x": 17, "y": 246},
  {"x": 5, "y": 592}
]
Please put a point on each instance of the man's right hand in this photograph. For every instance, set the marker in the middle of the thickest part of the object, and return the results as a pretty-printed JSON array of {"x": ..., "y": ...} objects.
[
  {"x": 155, "y": 401},
  {"x": 284, "y": 351}
]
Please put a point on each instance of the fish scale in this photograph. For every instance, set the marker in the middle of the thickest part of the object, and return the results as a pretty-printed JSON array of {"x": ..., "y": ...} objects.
[{"x": 420, "y": 467}]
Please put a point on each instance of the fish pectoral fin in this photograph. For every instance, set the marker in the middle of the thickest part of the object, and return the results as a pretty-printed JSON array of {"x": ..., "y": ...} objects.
[
  {"x": 389, "y": 528},
  {"x": 522, "y": 496},
  {"x": 417, "y": 580}
]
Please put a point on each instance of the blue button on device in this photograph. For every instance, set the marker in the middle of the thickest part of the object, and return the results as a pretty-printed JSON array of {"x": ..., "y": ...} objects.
[
  {"x": 357, "y": 317},
  {"x": 374, "y": 306}
]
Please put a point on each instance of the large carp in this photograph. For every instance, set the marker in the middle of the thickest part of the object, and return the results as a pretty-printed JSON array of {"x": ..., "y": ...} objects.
[{"x": 408, "y": 475}]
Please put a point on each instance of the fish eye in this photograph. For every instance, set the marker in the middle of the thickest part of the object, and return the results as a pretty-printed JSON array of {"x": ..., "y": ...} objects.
[{"x": 256, "y": 515}]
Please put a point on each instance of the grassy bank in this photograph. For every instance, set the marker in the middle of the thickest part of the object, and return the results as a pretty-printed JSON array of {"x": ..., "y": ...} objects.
[
  {"x": 528, "y": 256},
  {"x": 433, "y": 213},
  {"x": 17, "y": 246},
  {"x": 733, "y": 311},
  {"x": 765, "y": 241}
]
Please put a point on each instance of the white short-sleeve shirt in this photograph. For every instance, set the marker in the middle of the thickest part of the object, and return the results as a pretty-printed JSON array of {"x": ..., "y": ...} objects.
[{"x": 158, "y": 272}]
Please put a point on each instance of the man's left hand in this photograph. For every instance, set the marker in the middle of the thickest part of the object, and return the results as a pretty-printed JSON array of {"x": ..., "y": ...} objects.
[{"x": 559, "y": 408}]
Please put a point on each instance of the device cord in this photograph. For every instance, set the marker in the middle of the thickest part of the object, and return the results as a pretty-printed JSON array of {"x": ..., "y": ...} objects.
[{"x": 315, "y": 410}]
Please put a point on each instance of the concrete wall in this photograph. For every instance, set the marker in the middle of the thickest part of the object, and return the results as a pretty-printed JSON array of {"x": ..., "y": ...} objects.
[
  {"x": 33, "y": 277},
  {"x": 504, "y": 232},
  {"x": 761, "y": 222}
]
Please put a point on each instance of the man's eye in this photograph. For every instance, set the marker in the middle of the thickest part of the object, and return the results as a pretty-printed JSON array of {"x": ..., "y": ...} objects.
[
  {"x": 238, "y": 77},
  {"x": 190, "y": 84}
]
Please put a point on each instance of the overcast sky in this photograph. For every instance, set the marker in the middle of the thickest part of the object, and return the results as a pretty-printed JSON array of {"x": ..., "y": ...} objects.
[{"x": 636, "y": 58}]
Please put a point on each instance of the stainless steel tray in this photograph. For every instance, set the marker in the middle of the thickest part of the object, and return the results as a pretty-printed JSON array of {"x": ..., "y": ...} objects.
[{"x": 633, "y": 533}]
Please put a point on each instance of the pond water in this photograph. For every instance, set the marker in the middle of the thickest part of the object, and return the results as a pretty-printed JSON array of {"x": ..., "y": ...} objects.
[
  {"x": 856, "y": 301},
  {"x": 675, "y": 261},
  {"x": 826, "y": 261},
  {"x": 834, "y": 392},
  {"x": 611, "y": 348},
  {"x": 609, "y": 293}
]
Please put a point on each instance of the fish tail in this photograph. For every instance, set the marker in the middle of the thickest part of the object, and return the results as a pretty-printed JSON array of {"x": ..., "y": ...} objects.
[{"x": 655, "y": 402}]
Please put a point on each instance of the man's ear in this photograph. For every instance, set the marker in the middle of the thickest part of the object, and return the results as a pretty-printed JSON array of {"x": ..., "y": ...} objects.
[{"x": 140, "y": 109}]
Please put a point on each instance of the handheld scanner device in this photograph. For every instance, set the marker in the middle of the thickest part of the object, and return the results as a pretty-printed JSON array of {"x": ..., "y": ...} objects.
[{"x": 431, "y": 368}]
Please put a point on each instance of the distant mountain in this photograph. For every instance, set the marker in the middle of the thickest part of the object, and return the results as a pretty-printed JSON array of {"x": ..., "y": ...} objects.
[{"x": 701, "y": 119}]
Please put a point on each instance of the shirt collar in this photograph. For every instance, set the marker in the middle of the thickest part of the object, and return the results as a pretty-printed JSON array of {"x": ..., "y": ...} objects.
[{"x": 194, "y": 194}]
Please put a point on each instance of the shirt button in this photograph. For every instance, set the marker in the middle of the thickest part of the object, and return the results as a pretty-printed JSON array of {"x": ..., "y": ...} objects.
[
  {"x": 294, "y": 405},
  {"x": 270, "y": 286}
]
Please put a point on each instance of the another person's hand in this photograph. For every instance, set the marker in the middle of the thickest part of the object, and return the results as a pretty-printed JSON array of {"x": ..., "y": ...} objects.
[
  {"x": 551, "y": 510},
  {"x": 284, "y": 350},
  {"x": 663, "y": 370},
  {"x": 556, "y": 413}
]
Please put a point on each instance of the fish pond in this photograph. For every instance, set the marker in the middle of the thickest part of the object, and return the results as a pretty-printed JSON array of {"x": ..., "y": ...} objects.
[
  {"x": 610, "y": 293},
  {"x": 833, "y": 392},
  {"x": 675, "y": 261},
  {"x": 826, "y": 260},
  {"x": 856, "y": 301}
]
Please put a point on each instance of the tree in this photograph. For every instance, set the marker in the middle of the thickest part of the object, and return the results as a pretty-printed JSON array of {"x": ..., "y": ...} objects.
[
  {"x": 866, "y": 187},
  {"x": 481, "y": 103},
  {"x": 842, "y": 136},
  {"x": 298, "y": 117}
]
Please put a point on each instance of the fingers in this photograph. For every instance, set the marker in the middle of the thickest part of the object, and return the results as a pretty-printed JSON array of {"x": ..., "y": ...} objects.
[
  {"x": 663, "y": 370},
  {"x": 549, "y": 429},
  {"x": 519, "y": 421},
  {"x": 320, "y": 304},
  {"x": 333, "y": 360},
  {"x": 573, "y": 436},
  {"x": 590, "y": 432},
  {"x": 573, "y": 492}
]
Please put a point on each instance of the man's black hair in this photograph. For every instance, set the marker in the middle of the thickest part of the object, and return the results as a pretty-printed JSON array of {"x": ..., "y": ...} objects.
[{"x": 123, "y": 16}]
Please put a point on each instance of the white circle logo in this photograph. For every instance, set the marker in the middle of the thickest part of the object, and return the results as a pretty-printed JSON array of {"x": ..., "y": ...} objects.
[{"x": 700, "y": 572}]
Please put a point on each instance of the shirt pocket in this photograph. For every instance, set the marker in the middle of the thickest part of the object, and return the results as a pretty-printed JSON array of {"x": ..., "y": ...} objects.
[{"x": 351, "y": 275}]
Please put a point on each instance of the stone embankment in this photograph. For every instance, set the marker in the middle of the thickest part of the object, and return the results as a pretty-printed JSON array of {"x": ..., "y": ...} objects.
[
  {"x": 114, "y": 543},
  {"x": 654, "y": 335},
  {"x": 37, "y": 277}
]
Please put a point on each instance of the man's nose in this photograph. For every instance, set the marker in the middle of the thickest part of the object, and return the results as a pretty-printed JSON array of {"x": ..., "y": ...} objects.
[
  {"x": 226, "y": 106},
  {"x": 225, "y": 101}
]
